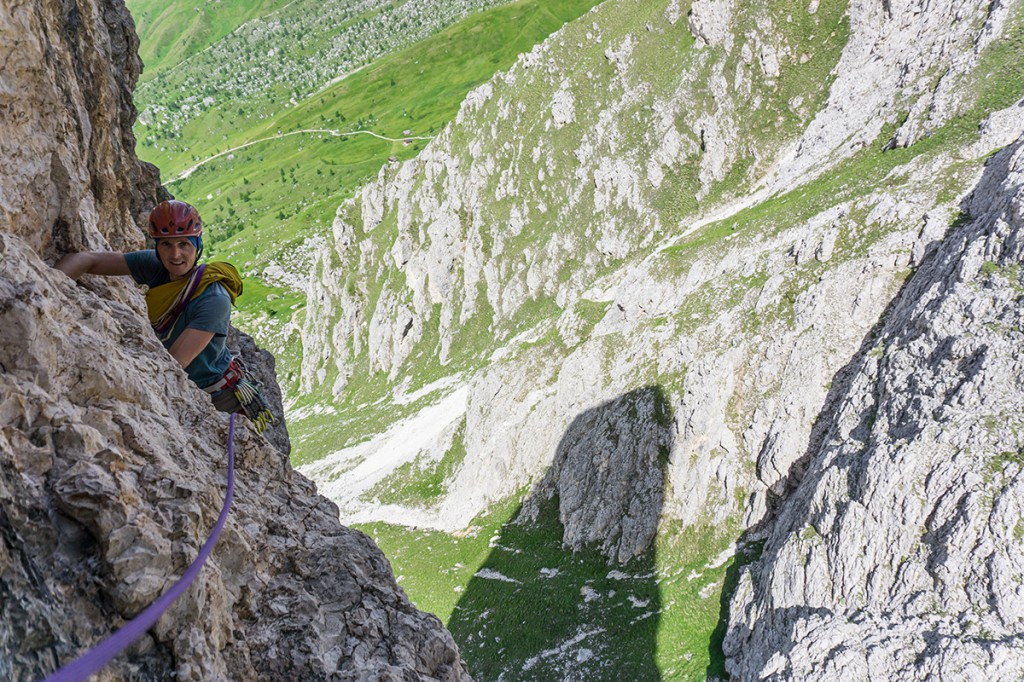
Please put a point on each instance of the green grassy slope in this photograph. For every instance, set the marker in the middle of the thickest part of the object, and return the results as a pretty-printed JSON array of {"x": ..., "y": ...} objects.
[
  {"x": 174, "y": 31},
  {"x": 209, "y": 103},
  {"x": 510, "y": 591},
  {"x": 767, "y": 128},
  {"x": 496, "y": 621},
  {"x": 628, "y": 139},
  {"x": 264, "y": 201}
]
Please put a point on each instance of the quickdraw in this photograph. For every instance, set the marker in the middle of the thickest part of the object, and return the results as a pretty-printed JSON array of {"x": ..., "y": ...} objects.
[
  {"x": 254, "y": 404},
  {"x": 247, "y": 392}
]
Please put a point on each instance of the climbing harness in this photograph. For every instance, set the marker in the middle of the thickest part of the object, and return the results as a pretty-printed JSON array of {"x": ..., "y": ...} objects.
[
  {"x": 90, "y": 663},
  {"x": 232, "y": 375},
  {"x": 246, "y": 391}
]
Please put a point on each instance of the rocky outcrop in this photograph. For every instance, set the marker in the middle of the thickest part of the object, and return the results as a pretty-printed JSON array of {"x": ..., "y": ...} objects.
[
  {"x": 608, "y": 476},
  {"x": 901, "y": 554},
  {"x": 113, "y": 473},
  {"x": 112, "y": 464},
  {"x": 729, "y": 231},
  {"x": 260, "y": 367}
]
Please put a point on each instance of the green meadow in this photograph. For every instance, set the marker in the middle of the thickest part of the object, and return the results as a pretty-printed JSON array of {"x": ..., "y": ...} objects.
[
  {"x": 523, "y": 607},
  {"x": 175, "y": 31},
  {"x": 265, "y": 200}
]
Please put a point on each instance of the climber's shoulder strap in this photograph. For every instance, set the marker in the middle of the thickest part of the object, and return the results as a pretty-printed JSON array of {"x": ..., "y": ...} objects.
[{"x": 165, "y": 304}]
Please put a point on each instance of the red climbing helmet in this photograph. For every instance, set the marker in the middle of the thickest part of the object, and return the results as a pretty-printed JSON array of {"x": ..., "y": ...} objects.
[{"x": 174, "y": 219}]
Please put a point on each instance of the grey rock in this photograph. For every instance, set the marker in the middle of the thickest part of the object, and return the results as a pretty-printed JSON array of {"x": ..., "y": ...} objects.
[
  {"x": 901, "y": 553},
  {"x": 112, "y": 463},
  {"x": 708, "y": 20},
  {"x": 608, "y": 475},
  {"x": 259, "y": 365},
  {"x": 114, "y": 470}
]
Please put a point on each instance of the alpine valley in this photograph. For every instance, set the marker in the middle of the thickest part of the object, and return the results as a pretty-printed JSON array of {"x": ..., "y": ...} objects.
[{"x": 646, "y": 339}]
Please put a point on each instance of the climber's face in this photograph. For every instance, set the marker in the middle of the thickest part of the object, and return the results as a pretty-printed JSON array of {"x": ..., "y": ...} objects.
[{"x": 177, "y": 254}]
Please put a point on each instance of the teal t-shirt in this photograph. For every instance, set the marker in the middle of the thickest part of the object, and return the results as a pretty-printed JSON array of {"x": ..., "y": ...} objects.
[{"x": 210, "y": 311}]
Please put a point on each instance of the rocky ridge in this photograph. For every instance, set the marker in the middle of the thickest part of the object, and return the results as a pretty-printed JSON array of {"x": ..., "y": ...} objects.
[
  {"x": 113, "y": 464},
  {"x": 741, "y": 328},
  {"x": 900, "y": 555},
  {"x": 544, "y": 256}
]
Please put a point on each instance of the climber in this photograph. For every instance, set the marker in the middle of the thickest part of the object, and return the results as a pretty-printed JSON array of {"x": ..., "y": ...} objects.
[{"x": 189, "y": 304}]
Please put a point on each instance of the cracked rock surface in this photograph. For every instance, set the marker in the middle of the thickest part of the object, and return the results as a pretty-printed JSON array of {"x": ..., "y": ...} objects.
[
  {"x": 113, "y": 466},
  {"x": 901, "y": 554}
]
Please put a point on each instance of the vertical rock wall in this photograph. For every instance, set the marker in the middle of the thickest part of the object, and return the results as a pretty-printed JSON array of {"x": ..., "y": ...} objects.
[
  {"x": 901, "y": 554},
  {"x": 70, "y": 177},
  {"x": 112, "y": 464}
]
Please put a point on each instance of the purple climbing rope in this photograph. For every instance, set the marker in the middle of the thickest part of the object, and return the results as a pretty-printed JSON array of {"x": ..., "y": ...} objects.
[{"x": 84, "y": 666}]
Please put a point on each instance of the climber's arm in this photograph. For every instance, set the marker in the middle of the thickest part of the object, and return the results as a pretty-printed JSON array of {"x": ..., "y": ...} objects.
[
  {"x": 190, "y": 344},
  {"x": 209, "y": 315},
  {"x": 74, "y": 265}
]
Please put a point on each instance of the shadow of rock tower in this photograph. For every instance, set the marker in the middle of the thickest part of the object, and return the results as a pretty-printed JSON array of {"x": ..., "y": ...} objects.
[{"x": 569, "y": 590}]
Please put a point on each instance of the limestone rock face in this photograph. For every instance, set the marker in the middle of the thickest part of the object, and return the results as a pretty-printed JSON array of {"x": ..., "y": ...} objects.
[
  {"x": 69, "y": 152},
  {"x": 113, "y": 474},
  {"x": 901, "y": 554},
  {"x": 260, "y": 365},
  {"x": 733, "y": 230},
  {"x": 609, "y": 476},
  {"x": 746, "y": 323},
  {"x": 112, "y": 464}
]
